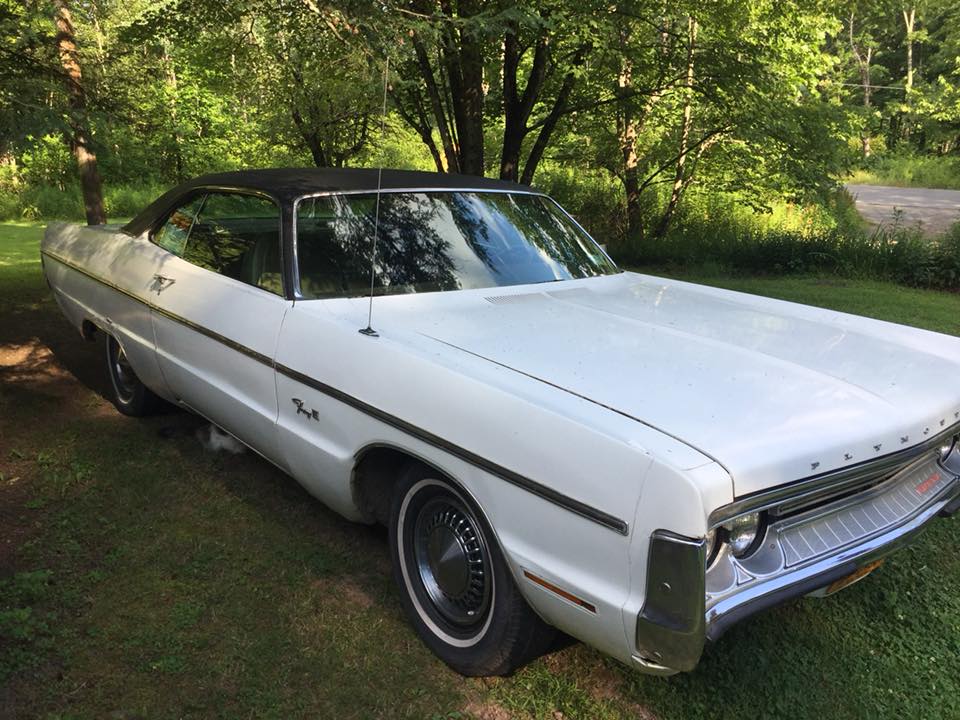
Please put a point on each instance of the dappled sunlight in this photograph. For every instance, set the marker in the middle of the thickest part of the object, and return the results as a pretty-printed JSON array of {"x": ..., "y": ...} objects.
[{"x": 30, "y": 361}]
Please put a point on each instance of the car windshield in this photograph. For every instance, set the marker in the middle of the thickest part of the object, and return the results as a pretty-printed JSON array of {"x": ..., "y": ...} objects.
[{"x": 434, "y": 241}]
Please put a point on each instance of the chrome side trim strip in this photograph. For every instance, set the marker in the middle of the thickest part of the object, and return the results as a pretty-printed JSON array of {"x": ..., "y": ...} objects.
[
  {"x": 222, "y": 339},
  {"x": 532, "y": 486}
]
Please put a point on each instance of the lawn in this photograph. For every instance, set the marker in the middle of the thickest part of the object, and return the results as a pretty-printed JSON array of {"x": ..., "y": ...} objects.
[{"x": 142, "y": 577}]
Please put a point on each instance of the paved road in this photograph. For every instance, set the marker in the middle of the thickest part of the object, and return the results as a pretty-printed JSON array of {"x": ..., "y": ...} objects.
[{"x": 933, "y": 211}]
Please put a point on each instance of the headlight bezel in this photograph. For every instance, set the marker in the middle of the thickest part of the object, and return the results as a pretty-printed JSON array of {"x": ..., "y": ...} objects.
[
  {"x": 717, "y": 540},
  {"x": 948, "y": 448}
]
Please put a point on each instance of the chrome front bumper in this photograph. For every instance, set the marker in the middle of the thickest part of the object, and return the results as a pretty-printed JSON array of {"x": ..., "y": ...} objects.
[{"x": 802, "y": 553}]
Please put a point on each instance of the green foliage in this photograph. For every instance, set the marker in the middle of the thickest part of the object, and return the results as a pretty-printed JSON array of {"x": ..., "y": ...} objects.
[
  {"x": 909, "y": 169},
  {"x": 594, "y": 198},
  {"x": 715, "y": 231},
  {"x": 44, "y": 202}
]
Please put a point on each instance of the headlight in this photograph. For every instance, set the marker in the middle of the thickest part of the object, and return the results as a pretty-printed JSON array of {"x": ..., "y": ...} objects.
[{"x": 743, "y": 533}]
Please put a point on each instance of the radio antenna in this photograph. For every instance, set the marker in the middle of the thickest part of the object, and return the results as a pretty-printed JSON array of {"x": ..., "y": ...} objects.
[{"x": 368, "y": 330}]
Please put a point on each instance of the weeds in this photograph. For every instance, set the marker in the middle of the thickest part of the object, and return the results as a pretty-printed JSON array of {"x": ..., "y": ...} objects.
[
  {"x": 24, "y": 629},
  {"x": 890, "y": 252},
  {"x": 910, "y": 170}
]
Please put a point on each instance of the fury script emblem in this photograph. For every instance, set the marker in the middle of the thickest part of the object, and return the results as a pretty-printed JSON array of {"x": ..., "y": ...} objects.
[{"x": 301, "y": 410}]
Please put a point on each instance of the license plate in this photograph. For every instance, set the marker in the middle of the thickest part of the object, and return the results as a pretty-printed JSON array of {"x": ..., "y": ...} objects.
[{"x": 850, "y": 579}]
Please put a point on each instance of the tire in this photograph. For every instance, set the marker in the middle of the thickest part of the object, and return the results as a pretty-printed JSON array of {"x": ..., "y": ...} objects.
[
  {"x": 455, "y": 586},
  {"x": 128, "y": 394}
]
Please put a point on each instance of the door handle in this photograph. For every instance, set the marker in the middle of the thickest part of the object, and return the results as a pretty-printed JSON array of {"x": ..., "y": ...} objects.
[{"x": 161, "y": 283}]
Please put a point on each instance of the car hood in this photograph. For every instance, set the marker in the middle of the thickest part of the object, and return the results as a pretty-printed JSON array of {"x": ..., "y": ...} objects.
[{"x": 771, "y": 390}]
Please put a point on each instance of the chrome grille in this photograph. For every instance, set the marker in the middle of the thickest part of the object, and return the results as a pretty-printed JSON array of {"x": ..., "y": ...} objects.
[{"x": 875, "y": 512}]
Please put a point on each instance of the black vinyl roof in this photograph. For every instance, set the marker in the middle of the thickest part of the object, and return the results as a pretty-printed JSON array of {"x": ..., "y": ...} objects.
[{"x": 287, "y": 184}]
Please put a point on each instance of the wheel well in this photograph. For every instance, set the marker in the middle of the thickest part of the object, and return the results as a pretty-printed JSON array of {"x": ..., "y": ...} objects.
[
  {"x": 88, "y": 330},
  {"x": 375, "y": 474}
]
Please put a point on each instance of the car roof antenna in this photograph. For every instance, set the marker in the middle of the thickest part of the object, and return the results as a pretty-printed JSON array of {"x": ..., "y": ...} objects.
[{"x": 368, "y": 330}]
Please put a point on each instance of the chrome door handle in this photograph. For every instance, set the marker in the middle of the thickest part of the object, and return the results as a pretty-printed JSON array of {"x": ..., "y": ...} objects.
[{"x": 161, "y": 283}]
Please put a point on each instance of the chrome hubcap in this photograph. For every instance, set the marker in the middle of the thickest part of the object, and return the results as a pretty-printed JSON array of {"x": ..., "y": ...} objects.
[{"x": 452, "y": 561}]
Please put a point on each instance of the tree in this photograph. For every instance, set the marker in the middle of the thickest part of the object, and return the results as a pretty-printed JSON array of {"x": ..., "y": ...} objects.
[
  {"x": 470, "y": 65},
  {"x": 79, "y": 140}
]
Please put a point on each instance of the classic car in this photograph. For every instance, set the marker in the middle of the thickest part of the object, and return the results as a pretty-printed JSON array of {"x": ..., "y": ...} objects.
[{"x": 556, "y": 445}]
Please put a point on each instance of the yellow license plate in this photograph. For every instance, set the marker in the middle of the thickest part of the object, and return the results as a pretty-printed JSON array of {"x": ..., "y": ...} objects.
[{"x": 850, "y": 579}]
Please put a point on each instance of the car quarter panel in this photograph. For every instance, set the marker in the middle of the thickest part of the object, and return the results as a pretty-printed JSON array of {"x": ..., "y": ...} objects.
[
  {"x": 105, "y": 276},
  {"x": 341, "y": 391}
]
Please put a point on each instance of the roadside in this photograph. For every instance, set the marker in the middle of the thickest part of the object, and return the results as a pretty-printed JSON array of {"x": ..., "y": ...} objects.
[
  {"x": 147, "y": 578},
  {"x": 930, "y": 210}
]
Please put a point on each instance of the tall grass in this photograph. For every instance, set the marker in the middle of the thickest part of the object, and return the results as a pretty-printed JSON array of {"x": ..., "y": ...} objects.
[
  {"x": 893, "y": 252},
  {"x": 716, "y": 232},
  {"x": 910, "y": 170},
  {"x": 29, "y": 202}
]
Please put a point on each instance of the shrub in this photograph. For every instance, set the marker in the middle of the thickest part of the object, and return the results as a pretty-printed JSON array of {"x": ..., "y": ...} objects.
[
  {"x": 128, "y": 200},
  {"x": 906, "y": 169},
  {"x": 592, "y": 198}
]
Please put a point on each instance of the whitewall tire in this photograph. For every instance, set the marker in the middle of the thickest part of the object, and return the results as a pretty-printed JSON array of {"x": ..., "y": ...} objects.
[{"x": 454, "y": 583}]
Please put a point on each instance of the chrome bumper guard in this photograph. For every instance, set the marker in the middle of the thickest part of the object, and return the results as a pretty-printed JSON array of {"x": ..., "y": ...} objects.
[{"x": 687, "y": 605}]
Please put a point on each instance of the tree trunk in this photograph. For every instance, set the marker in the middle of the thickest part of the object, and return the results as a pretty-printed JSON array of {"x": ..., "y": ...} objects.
[
  {"x": 516, "y": 107},
  {"x": 627, "y": 138},
  {"x": 679, "y": 175},
  {"x": 311, "y": 140},
  {"x": 171, "y": 80},
  {"x": 86, "y": 158},
  {"x": 867, "y": 93},
  {"x": 908, "y": 21},
  {"x": 436, "y": 105},
  {"x": 468, "y": 96},
  {"x": 546, "y": 130},
  {"x": 863, "y": 61}
]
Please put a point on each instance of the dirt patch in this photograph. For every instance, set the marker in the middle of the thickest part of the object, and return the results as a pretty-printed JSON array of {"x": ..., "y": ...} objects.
[
  {"x": 486, "y": 711},
  {"x": 29, "y": 362},
  {"x": 345, "y": 590}
]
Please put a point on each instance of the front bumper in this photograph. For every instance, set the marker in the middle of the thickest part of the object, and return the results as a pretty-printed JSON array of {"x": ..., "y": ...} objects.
[{"x": 686, "y": 606}]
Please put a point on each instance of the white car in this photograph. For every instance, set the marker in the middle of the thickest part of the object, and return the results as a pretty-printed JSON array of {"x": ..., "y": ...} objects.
[{"x": 555, "y": 444}]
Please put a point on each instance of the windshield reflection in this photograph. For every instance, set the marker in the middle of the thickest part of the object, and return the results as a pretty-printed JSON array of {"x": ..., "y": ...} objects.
[{"x": 437, "y": 241}]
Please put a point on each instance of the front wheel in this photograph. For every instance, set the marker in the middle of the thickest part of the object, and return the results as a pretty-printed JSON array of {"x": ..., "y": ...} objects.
[
  {"x": 129, "y": 395},
  {"x": 454, "y": 582}
]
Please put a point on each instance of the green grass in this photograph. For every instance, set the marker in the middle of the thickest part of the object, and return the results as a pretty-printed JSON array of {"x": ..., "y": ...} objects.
[{"x": 152, "y": 579}]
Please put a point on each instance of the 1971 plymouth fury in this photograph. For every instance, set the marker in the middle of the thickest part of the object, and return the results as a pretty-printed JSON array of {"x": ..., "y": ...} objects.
[{"x": 553, "y": 443}]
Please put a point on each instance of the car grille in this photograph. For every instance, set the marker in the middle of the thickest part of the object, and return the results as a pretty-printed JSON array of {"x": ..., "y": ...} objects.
[{"x": 869, "y": 513}]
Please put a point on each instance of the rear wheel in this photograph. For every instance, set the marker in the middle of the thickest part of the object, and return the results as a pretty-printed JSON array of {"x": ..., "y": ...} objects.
[
  {"x": 454, "y": 582},
  {"x": 129, "y": 395}
]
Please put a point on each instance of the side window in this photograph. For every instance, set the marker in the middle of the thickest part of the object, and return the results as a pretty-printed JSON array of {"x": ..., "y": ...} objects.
[
  {"x": 238, "y": 236},
  {"x": 333, "y": 245},
  {"x": 172, "y": 236}
]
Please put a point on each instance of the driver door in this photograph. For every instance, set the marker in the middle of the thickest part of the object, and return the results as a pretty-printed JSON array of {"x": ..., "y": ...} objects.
[{"x": 219, "y": 307}]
